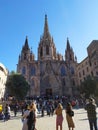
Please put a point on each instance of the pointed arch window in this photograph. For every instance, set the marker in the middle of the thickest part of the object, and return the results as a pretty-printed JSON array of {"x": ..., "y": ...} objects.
[
  {"x": 33, "y": 71},
  {"x": 72, "y": 70},
  {"x": 41, "y": 52},
  {"x": 70, "y": 57},
  {"x": 63, "y": 71},
  {"x": 24, "y": 70},
  {"x": 63, "y": 82},
  {"x": 47, "y": 50},
  {"x": 25, "y": 55},
  {"x": 32, "y": 83}
]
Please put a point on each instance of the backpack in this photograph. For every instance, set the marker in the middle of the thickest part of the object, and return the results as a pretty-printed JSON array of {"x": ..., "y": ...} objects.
[{"x": 31, "y": 117}]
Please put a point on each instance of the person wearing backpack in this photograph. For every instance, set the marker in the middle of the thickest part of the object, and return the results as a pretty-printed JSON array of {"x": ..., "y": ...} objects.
[
  {"x": 31, "y": 119},
  {"x": 91, "y": 107}
]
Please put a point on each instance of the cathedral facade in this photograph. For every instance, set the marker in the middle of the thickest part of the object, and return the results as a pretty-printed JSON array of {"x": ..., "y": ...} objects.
[{"x": 51, "y": 74}]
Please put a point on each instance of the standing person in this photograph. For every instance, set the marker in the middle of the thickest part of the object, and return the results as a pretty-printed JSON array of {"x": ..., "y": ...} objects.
[
  {"x": 34, "y": 108},
  {"x": 69, "y": 114},
  {"x": 24, "y": 117},
  {"x": 7, "y": 112},
  {"x": 91, "y": 113},
  {"x": 31, "y": 118},
  {"x": 59, "y": 117},
  {"x": 15, "y": 109}
]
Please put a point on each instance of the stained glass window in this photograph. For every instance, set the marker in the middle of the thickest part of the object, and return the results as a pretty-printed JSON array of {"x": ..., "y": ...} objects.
[
  {"x": 33, "y": 71},
  {"x": 23, "y": 70},
  {"x": 63, "y": 71},
  {"x": 72, "y": 70}
]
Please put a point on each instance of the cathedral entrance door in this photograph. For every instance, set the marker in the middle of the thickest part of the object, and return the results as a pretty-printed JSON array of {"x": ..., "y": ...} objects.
[{"x": 49, "y": 92}]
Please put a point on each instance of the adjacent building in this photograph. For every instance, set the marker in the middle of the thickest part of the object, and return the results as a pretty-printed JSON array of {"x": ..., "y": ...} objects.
[
  {"x": 3, "y": 78},
  {"x": 89, "y": 66}
]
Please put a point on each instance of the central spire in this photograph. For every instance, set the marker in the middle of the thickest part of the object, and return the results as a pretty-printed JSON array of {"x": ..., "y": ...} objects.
[
  {"x": 68, "y": 44},
  {"x": 46, "y": 30}
]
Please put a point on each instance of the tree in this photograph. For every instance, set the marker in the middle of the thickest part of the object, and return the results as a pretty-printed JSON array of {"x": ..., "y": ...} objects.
[
  {"x": 89, "y": 86},
  {"x": 17, "y": 86}
]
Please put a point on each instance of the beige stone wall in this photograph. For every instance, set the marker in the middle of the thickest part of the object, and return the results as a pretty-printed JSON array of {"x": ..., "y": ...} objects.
[
  {"x": 83, "y": 70},
  {"x": 3, "y": 78},
  {"x": 89, "y": 66},
  {"x": 93, "y": 57}
]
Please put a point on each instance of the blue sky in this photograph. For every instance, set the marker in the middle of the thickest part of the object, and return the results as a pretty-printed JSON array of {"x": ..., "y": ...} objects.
[{"x": 75, "y": 19}]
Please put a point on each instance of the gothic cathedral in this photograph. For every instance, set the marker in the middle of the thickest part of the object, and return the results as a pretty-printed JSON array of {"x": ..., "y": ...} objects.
[{"x": 50, "y": 74}]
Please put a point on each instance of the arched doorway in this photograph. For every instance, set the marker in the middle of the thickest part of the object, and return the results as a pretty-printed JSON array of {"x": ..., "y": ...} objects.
[{"x": 49, "y": 92}]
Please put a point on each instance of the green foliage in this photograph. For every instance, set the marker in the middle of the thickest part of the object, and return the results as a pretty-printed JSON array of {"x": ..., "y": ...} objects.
[
  {"x": 96, "y": 92},
  {"x": 17, "y": 85},
  {"x": 89, "y": 86}
]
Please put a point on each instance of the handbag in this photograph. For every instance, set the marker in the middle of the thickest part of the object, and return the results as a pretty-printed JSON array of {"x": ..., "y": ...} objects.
[{"x": 71, "y": 113}]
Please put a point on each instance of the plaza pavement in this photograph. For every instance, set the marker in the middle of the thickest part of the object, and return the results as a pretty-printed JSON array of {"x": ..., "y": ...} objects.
[{"x": 48, "y": 123}]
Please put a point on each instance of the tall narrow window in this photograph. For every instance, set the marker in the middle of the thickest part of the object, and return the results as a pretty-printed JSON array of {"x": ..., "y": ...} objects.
[
  {"x": 41, "y": 52},
  {"x": 24, "y": 70},
  {"x": 87, "y": 69},
  {"x": 72, "y": 70},
  {"x": 25, "y": 56},
  {"x": 33, "y": 71},
  {"x": 79, "y": 74},
  {"x": 47, "y": 50},
  {"x": 63, "y": 71},
  {"x": 70, "y": 57},
  {"x": 32, "y": 82},
  {"x": 83, "y": 72}
]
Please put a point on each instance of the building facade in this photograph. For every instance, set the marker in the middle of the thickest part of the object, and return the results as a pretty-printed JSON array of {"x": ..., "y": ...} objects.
[
  {"x": 52, "y": 74},
  {"x": 3, "y": 79},
  {"x": 89, "y": 66}
]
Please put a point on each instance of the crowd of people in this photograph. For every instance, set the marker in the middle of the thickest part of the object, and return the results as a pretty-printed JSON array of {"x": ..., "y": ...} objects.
[
  {"x": 31, "y": 108},
  {"x": 51, "y": 108}
]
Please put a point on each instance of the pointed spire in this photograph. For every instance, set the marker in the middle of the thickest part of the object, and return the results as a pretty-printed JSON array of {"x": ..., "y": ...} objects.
[
  {"x": 46, "y": 30},
  {"x": 31, "y": 50},
  {"x": 68, "y": 44},
  {"x": 46, "y": 25},
  {"x": 26, "y": 45},
  {"x": 75, "y": 58}
]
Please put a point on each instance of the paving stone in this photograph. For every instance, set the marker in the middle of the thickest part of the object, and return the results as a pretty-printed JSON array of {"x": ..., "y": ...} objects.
[{"x": 48, "y": 123}]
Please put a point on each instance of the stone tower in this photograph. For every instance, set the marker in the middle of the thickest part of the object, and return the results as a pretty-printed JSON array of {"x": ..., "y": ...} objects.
[
  {"x": 46, "y": 49},
  {"x": 28, "y": 67},
  {"x": 71, "y": 62}
]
